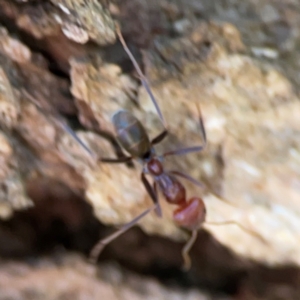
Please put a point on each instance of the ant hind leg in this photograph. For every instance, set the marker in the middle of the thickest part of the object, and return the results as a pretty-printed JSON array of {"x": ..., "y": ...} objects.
[
  {"x": 97, "y": 249},
  {"x": 186, "y": 249}
]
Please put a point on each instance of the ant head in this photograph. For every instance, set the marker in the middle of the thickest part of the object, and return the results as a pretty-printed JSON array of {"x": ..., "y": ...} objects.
[
  {"x": 155, "y": 167},
  {"x": 191, "y": 215}
]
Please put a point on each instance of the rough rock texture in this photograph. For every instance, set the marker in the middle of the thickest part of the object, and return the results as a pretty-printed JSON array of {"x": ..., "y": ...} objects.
[
  {"x": 70, "y": 277},
  {"x": 239, "y": 61},
  {"x": 253, "y": 139},
  {"x": 251, "y": 117},
  {"x": 28, "y": 136},
  {"x": 80, "y": 21}
]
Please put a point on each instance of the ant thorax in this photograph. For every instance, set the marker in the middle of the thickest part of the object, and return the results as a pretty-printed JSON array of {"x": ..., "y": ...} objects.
[{"x": 153, "y": 167}]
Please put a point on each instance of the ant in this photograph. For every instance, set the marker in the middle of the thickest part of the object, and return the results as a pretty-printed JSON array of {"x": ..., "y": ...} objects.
[{"x": 132, "y": 136}]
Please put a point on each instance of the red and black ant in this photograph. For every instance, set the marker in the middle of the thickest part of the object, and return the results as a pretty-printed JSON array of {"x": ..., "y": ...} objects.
[{"x": 133, "y": 137}]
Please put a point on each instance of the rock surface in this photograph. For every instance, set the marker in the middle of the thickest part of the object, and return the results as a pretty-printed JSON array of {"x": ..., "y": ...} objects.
[
  {"x": 72, "y": 278},
  {"x": 60, "y": 64},
  {"x": 251, "y": 117}
]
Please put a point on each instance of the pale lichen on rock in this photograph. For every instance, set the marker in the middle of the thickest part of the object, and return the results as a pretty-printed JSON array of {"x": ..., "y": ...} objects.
[
  {"x": 9, "y": 105},
  {"x": 12, "y": 189},
  {"x": 29, "y": 133},
  {"x": 88, "y": 16},
  {"x": 79, "y": 20}
]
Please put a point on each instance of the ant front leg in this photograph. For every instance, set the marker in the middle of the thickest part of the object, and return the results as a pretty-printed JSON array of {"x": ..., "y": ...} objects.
[{"x": 97, "y": 249}]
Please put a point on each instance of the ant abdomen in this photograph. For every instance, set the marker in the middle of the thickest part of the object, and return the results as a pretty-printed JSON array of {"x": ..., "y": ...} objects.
[
  {"x": 131, "y": 134},
  {"x": 190, "y": 215}
]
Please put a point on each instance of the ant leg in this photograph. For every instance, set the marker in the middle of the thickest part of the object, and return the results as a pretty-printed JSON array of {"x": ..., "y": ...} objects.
[
  {"x": 153, "y": 194},
  {"x": 97, "y": 249},
  {"x": 72, "y": 133},
  {"x": 191, "y": 149},
  {"x": 186, "y": 249},
  {"x": 59, "y": 121},
  {"x": 159, "y": 137},
  {"x": 187, "y": 177},
  {"x": 124, "y": 159},
  {"x": 184, "y": 151},
  {"x": 142, "y": 77},
  {"x": 249, "y": 231},
  {"x": 158, "y": 210}
]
